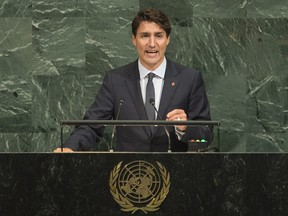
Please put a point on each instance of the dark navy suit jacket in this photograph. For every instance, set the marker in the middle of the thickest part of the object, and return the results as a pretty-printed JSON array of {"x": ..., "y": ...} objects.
[{"x": 183, "y": 89}]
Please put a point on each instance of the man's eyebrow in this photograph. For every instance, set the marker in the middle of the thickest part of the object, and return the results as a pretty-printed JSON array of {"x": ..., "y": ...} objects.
[
  {"x": 144, "y": 33},
  {"x": 160, "y": 32}
]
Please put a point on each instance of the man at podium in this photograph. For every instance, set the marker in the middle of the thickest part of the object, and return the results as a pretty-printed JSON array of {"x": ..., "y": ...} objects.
[{"x": 152, "y": 87}]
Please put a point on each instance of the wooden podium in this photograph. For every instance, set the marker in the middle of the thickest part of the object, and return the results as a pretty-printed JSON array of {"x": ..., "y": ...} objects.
[{"x": 143, "y": 184}]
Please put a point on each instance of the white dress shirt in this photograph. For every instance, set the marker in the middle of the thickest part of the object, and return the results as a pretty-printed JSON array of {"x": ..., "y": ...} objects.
[{"x": 158, "y": 81}]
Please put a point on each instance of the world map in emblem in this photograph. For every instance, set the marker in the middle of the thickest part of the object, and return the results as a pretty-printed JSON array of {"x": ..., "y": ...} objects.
[
  {"x": 139, "y": 181},
  {"x": 139, "y": 185}
]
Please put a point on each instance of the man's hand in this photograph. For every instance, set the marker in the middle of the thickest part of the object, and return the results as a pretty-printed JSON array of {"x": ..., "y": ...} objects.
[
  {"x": 177, "y": 115},
  {"x": 64, "y": 150}
]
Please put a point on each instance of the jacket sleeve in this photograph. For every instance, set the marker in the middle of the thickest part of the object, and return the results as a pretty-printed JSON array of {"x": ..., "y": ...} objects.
[
  {"x": 198, "y": 109},
  {"x": 85, "y": 137}
]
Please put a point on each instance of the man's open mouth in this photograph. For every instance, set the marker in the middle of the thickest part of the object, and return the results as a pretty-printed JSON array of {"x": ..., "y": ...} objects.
[{"x": 151, "y": 52}]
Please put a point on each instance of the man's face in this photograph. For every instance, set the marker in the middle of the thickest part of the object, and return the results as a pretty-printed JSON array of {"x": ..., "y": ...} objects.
[{"x": 151, "y": 42}]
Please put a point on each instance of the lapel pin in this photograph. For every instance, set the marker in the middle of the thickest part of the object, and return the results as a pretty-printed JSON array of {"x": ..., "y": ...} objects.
[{"x": 173, "y": 84}]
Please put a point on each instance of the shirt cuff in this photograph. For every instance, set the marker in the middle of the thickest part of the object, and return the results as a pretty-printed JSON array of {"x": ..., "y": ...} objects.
[{"x": 179, "y": 133}]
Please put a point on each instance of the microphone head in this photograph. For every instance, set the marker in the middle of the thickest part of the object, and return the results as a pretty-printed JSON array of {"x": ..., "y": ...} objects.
[
  {"x": 122, "y": 101},
  {"x": 152, "y": 101}
]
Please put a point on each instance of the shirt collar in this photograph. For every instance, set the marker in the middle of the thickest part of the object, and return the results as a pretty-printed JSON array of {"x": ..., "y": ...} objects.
[{"x": 159, "y": 72}]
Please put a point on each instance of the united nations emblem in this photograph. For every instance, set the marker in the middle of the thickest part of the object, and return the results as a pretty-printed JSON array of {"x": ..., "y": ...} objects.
[{"x": 139, "y": 186}]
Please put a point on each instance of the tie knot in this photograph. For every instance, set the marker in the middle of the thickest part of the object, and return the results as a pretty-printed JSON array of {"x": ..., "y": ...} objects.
[{"x": 150, "y": 76}]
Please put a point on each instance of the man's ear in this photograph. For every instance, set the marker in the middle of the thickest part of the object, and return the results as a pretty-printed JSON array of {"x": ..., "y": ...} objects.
[
  {"x": 133, "y": 39},
  {"x": 168, "y": 40}
]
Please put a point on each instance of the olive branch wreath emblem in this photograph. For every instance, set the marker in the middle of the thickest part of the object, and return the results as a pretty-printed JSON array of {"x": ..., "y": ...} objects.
[{"x": 128, "y": 206}]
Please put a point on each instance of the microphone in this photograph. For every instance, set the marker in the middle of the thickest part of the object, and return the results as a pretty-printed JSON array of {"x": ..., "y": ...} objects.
[
  {"x": 152, "y": 102},
  {"x": 121, "y": 102}
]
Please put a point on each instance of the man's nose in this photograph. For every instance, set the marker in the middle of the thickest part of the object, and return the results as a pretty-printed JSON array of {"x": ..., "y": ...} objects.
[{"x": 152, "y": 41}]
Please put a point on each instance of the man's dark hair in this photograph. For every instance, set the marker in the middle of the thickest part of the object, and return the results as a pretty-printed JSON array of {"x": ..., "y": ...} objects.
[{"x": 151, "y": 15}]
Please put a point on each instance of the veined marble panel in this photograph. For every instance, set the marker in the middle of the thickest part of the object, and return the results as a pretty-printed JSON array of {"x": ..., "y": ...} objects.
[
  {"x": 108, "y": 40},
  {"x": 220, "y": 46},
  {"x": 56, "y": 98},
  {"x": 220, "y": 8},
  {"x": 267, "y": 47},
  {"x": 108, "y": 44},
  {"x": 62, "y": 8},
  {"x": 178, "y": 12},
  {"x": 15, "y": 46},
  {"x": 59, "y": 43},
  {"x": 181, "y": 46},
  {"x": 227, "y": 98},
  {"x": 29, "y": 142},
  {"x": 16, "y": 8},
  {"x": 16, "y": 142},
  {"x": 15, "y": 108},
  {"x": 124, "y": 9},
  {"x": 267, "y": 114},
  {"x": 268, "y": 9}
]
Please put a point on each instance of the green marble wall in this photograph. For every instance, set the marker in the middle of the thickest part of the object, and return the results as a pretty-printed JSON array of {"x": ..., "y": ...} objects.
[{"x": 54, "y": 54}]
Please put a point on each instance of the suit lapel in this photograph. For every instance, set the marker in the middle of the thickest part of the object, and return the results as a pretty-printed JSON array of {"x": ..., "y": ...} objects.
[
  {"x": 133, "y": 85},
  {"x": 171, "y": 82}
]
